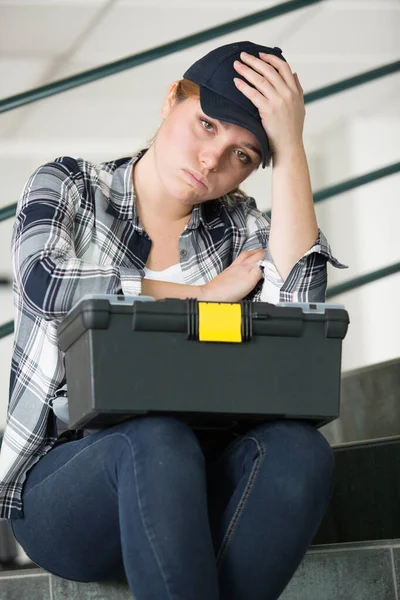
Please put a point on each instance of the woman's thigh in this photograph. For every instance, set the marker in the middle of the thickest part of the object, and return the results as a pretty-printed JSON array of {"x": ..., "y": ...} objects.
[
  {"x": 74, "y": 495},
  {"x": 70, "y": 524}
]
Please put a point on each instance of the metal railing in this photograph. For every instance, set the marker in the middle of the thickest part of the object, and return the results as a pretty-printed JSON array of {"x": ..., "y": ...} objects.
[
  {"x": 6, "y": 329},
  {"x": 149, "y": 55},
  {"x": 357, "y": 282}
]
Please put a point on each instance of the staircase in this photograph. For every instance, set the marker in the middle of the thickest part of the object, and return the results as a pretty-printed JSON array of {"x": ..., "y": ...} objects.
[{"x": 356, "y": 552}]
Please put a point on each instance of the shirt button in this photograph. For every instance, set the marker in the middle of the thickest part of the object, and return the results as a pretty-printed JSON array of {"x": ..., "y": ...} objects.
[{"x": 183, "y": 252}]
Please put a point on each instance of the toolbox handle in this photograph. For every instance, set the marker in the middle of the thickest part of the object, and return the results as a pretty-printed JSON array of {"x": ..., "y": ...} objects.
[
  {"x": 257, "y": 318},
  {"x": 271, "y": 319}
]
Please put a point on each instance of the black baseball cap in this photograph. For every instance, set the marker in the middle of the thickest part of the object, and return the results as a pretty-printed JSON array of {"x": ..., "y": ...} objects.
[{"x": 220, "y": 98}]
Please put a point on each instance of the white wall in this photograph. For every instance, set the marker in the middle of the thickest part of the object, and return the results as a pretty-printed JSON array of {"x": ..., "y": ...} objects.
[{"x": 362, "y": 226}]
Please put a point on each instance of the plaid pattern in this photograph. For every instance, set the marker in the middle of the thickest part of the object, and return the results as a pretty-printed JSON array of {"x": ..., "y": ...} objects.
[{"x": 77, "y": 232}]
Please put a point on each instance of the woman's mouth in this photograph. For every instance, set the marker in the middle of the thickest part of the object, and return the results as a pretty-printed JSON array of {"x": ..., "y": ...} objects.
[{"x": 196, "y": 179}]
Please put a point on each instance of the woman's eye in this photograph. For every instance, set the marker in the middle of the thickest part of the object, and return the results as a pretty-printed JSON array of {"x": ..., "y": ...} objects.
[
  {"x": 243, "y": 156},
  {"x": 207, "y": 125}
]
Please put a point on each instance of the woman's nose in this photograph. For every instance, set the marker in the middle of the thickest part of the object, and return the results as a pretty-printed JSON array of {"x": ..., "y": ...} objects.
[{"x": 210, "y": 159}]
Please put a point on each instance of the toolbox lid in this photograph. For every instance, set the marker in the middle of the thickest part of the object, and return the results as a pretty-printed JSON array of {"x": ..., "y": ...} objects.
[{"x": 190, "y": 317}]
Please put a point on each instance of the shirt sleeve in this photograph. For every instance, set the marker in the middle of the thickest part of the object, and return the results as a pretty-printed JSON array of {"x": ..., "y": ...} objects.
[
  {"x": 306, "y": 282},
  {"x": 51, "y": 278}
]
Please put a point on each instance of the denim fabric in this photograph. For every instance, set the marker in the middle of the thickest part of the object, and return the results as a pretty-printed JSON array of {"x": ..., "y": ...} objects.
[{"x": 143, "y": 500}]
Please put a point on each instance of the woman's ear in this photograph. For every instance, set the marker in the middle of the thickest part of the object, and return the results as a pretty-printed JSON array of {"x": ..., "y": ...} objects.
[{"x": 169, "y": 100}]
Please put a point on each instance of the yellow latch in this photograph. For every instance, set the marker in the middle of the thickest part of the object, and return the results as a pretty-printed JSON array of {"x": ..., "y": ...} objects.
[{"x": 220, "y": 322}]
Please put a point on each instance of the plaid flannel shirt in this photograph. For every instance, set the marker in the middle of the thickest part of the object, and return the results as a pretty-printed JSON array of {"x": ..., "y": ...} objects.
[{"x": 76, "y": 232}]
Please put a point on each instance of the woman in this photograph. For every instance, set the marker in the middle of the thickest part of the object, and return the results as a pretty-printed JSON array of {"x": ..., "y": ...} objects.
[{"x": 148, "y": 498}]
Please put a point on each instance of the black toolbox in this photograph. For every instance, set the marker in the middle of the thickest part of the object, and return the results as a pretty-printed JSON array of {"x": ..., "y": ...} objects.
[{"x": 215, "y": 365}]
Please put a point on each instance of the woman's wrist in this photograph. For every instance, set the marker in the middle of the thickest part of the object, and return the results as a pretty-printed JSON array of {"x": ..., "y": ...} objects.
[
  {"x": 164, "y": 289},
  {"x": 281, "y": 156}
]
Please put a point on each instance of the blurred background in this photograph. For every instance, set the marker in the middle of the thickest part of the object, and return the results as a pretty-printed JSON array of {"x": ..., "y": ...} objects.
[{"x": 346, "y": 135}]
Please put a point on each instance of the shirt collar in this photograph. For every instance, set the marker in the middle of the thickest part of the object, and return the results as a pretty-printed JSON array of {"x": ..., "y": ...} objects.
[{"x": 122, "y": 200}]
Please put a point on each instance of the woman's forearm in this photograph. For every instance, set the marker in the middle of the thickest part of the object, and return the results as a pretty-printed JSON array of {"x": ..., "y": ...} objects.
[
  {"x": 165, "y": 289},
  {"x": 294, "y": 227}
]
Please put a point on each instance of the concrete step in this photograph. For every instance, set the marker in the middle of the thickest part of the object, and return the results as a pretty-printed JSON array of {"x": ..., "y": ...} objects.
[
  {"x": 357, "y": 571},
  {"x": 366, "y": 498},
  {"x": 37, "y": 584},
  {"x": 367, "y": 571},
  {"x": 369, "y": 405}
]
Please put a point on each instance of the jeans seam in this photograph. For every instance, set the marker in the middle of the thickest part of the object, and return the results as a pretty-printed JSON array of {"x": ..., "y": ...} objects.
[{"x": 241, "y": 504}]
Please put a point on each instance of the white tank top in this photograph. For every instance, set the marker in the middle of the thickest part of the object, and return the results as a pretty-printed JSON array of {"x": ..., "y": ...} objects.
[{"x": 172, "y": 274}]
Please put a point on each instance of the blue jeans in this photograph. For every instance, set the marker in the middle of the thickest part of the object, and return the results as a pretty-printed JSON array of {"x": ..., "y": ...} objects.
[{"x": 141, "y": 500}]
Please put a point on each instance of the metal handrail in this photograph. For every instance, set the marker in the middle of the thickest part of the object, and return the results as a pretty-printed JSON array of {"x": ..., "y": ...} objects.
[
  {"x": 148, "y": 55},
  {"x": 82, "y": 78},
  {"x": 6, "y": 329},
  {"x": 355, "y": 182},
  {"x": 352, "y": 284},
  {"x": 347, "y": 185},
  {"x": 8, "y": 212},
  {"x": 356, "y": 80}
]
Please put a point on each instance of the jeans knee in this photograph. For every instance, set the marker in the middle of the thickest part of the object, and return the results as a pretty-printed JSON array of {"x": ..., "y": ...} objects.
[
  {"x": 313, "y": 449},
  {"x": 302, "y": 438},
  {"x": 161, "y": 434},
  {"x": 302, "y": 453},
  {"x": 320, "y": 451}
]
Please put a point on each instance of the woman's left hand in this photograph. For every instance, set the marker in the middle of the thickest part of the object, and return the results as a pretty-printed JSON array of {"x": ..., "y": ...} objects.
[{"x": 278, "y": 96}]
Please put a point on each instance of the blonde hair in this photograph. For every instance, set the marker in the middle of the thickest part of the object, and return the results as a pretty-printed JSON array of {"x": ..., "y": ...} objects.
[{"x": 187, "y": 89}]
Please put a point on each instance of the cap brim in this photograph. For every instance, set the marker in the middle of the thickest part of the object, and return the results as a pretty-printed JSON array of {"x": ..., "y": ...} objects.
[{"x": 217, "y": 107}]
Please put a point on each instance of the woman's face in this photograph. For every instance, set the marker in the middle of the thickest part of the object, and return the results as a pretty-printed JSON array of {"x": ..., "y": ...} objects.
[{"x": 199, "y": 158}]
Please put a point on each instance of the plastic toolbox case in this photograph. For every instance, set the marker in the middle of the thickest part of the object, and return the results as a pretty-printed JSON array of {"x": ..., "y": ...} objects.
[{"x": 214, "y": 365}]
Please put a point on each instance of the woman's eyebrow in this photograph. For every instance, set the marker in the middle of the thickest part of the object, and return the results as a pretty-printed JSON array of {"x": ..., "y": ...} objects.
[
  {"x": 251, "y": 147},
  {"x": 227, "y": 125}
]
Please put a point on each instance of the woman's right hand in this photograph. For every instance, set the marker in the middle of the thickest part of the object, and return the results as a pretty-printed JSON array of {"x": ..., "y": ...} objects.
[{"x": 235, "y": 282}]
